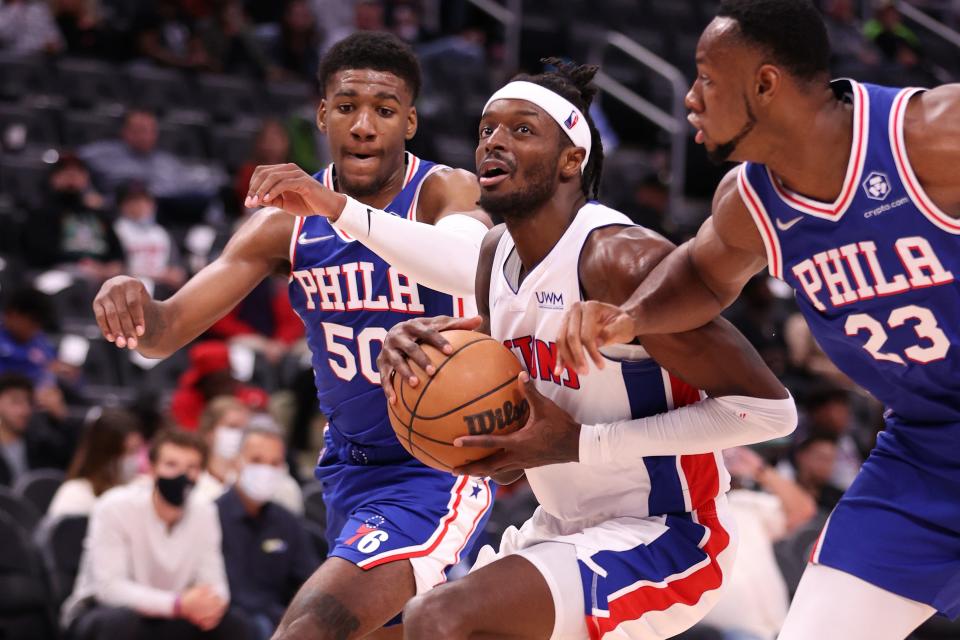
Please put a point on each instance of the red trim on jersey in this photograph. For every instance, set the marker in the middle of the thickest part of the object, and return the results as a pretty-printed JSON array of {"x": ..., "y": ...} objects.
[
  {"x": 686, "y": 591},
  {"x": 858, "y": 151},
  {"x": 423, "y": 550},
  {"x": 759, "y": 214},
  {"x": 473, "y": 527},
  {"x": 919, "y": 197}
]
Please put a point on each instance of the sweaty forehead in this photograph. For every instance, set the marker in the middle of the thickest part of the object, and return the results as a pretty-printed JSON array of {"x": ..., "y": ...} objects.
[{"x": 368, "y": 82}]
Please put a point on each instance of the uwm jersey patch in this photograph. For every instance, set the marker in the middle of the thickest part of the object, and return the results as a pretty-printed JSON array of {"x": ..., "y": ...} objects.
[
  {"x": 348, "y": 298},
  {"x": 525, "y": 316},
  {"x": 875, "y": 271}
]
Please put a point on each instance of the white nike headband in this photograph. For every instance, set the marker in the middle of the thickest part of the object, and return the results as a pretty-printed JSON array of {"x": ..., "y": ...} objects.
[{"x": 569, "y": 118}]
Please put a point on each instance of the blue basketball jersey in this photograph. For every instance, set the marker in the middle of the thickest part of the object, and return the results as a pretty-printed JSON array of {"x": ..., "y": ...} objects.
[
  {"x": 348, "y": 297},
  {"x": 875, "y": 271}
]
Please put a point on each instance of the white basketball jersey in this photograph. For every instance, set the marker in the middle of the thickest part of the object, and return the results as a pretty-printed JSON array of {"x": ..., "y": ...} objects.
[{"x": 526, "y": 318}]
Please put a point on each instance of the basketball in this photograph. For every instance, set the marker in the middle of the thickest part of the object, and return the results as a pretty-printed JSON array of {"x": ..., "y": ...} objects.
[{"x": 473, "y": 392}]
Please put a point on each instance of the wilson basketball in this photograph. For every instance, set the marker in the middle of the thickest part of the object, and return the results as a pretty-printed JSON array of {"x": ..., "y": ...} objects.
[{"x": 473, "y": 392}]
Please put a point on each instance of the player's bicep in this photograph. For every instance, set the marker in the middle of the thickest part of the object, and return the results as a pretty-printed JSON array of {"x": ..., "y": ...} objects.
[
  {"x": 932, "y": 138},
  {"x": 256, "y": 251}
]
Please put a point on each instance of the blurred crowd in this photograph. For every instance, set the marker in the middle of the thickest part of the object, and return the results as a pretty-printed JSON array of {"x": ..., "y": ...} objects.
[{"x": 228, "y": 430}]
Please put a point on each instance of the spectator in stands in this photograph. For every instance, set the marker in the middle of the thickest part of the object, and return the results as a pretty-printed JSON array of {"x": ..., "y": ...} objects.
[
  {"x": 27, "y": 441},
  {"x": 828, "y": 413},
  {"x": 811, "y": 463},
  {"x": 152, "y": 566},
  {"x": 70, "y": 231},
  {"x": 167, "y": 35},
  {"x": 80, "y": 23},
  {"x": 180, "y": 189},
  {"x": 222, "y": 426},
  {"x": 272, "y": 146},
  {"x": 266, "y": 550},
  {"x": 27, "y": 27},
  {"x": 209, "y": 376},
  {"x": 853, "y": 55},
  {"x": 24, "y": 347},
  {"x": 768, "y": 507},
  {"x": 107, "y": 456},
  {"x": 406, "y": 22},
  {"x": 232, "y": 45},
  {"x": 370, "y": 15},
  {"x": 149, "y": 250},
  {"x": 298, "y": 48},
  {"x": 893, "y": 38}
]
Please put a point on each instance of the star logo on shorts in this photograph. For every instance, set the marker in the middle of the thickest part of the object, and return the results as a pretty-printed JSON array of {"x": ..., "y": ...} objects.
[{"x": 477, "y": 490}]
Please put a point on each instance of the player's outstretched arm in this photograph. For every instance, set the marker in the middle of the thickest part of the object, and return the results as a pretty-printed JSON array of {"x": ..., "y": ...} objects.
[
  {"x": 931, "y": 131},
  {"x": 402, "y": 342},
  {"x": 439, "y": 251},
  {"x": 130, "y": 318},
  {"x": 686, "y": 290}
]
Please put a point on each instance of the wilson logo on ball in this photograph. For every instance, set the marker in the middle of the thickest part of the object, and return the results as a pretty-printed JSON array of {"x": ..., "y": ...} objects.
[{"x": 497, "y": 419}]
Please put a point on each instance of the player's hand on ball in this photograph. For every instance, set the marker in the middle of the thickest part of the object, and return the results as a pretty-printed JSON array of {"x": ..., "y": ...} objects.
[
  {"x": 119, "y": 310},
  {"x": 587, "y": 326},
  {"x": 403, "y": 342},
  {"x": 551, "y": 436},
  {"x": 288, "y": 187}
]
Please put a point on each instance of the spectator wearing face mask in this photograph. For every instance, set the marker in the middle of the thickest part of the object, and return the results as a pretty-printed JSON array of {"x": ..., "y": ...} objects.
[
  {"x": 108, "y": 455},
  {"x": 266, "y": 550},
  {"x": 222, "y": 426},
  {"x": 151, "y": 566}
]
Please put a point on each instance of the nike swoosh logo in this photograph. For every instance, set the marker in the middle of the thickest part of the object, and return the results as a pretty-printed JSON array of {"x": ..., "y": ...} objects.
[
  {"x": 303, "y": 239},
  {"x": 783, "y": 226}
]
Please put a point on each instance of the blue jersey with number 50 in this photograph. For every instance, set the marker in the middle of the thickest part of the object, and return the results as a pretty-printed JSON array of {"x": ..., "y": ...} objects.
[
  {"x": 876, "y": 272},
  {"x": 348, "y": 298}
]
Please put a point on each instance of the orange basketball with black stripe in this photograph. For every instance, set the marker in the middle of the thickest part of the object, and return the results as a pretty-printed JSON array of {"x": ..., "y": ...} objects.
[{"x": 473, "y": 392}]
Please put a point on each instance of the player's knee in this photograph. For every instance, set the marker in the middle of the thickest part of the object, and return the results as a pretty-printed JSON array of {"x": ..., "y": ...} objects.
[{"x": 435, "y": 615}]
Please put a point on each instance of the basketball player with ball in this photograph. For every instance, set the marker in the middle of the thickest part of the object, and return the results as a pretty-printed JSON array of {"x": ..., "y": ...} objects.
[
  {"x": 632, "y": 538},
  {"x": 351, "y": 241}
]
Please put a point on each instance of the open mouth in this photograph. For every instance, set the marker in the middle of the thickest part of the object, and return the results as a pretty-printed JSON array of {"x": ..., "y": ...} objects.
[
  {"x": 360, "y": 156},
  {"x": 493, "y": 172}
]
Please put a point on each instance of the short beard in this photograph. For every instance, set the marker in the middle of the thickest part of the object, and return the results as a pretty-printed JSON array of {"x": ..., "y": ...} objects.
[
  {"x": 362, "y": 190},
  {"x": 541, "y": 184},
  {"x": 723, "y": 151}
]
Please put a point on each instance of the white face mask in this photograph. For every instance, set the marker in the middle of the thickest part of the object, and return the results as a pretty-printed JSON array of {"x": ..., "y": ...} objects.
[
  {"x": 129, "y": 467},
  {"x": 226, "y": 442},
  {"x": 259, "y": 482}
]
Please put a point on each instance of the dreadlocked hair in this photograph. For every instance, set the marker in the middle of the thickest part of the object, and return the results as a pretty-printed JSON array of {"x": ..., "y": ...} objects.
[{"x": 573, "y": 82}]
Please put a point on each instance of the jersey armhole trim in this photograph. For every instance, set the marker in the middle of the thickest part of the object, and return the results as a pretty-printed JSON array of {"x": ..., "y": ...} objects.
[
  {"x": 297, "y": 227},
  {"x": 909, "y": 179},
  {"x": 412, "y": 211},
  {"x": 761, "y": 219}
]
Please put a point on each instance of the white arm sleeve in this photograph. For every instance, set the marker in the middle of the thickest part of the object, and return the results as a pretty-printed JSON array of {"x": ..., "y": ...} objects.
[
  {"x": 708, "y": 425},
  {"x": 443, "y": 256}
]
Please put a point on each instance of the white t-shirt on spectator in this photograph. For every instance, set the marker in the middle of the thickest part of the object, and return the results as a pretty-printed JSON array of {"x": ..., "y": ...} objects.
[
  {"x": 131, "y": 559},
  {"x": 74, "y": 497},
  {"x": 754, "y": 597},
  {"x": 147, "y": 247}
]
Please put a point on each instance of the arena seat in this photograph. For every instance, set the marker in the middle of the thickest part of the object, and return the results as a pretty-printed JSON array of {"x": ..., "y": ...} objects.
[
  {"x": 232, "y": 144},
  {"x": 20, "y": 511},
  {"x": 314, "y": 508},
  {"x": 159, "y": 89},
  {"x": 21, "y": 76},
  {"x": 288, "y": 97},
  {"x": 40, "y": 124},
  {"x": 23, "y": 177},
  {"x": 90, "y": 83},
  {"x": 25, "y": 608},
  {"x": 227, "y": 97},
  {"x": 82, "y": 127},
  {"x": 61, "y": 542},
  {"x": 183, "y": 138},
  {"x": 38, "y": 487}
]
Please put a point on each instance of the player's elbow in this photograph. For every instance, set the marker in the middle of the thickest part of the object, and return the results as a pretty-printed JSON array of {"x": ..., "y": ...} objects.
[{"x": 783, "y": 418}]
